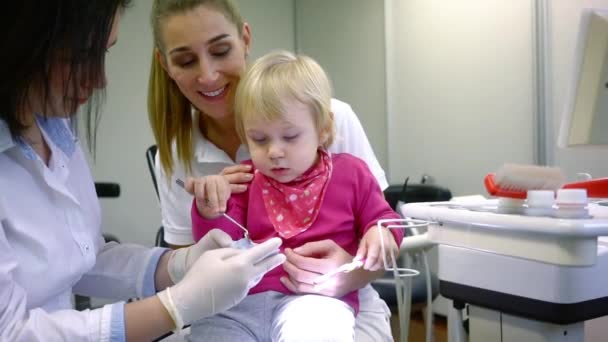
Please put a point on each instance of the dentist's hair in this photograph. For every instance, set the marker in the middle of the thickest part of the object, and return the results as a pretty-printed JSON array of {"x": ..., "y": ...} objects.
[
  {"x": 44, "y": 40},
  {"x": 169, "y": 111},
  {"x": 278, "y": 78}
]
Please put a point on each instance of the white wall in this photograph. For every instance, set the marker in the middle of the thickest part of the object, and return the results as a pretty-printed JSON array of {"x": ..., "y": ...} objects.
[
  {"x": 124, "y": 132},
  {"x": 459, "y": 89},
  {"x": 272, "y": 24},
  {"x": 347, "y": 38}
]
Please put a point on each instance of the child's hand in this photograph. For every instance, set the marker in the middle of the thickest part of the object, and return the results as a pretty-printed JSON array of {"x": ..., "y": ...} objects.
[
  {"x": 370, "y": 248},
  {"x": 238, "y": 176},
  {"x": 211, "y": 194}
]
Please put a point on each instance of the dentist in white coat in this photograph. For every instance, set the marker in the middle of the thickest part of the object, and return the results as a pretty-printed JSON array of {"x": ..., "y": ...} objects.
[{"x": 50, "y": 238}]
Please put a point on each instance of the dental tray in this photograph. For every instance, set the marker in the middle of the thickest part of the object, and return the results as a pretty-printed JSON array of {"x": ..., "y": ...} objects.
[{"x": 477, "y": 225}]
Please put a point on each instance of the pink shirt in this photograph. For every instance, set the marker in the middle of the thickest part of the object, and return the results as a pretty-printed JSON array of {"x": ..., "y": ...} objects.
[{"x": 353, "y": 203}]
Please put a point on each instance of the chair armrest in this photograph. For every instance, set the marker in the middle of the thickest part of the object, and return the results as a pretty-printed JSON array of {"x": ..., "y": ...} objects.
[{"x": 107, "y": 189}]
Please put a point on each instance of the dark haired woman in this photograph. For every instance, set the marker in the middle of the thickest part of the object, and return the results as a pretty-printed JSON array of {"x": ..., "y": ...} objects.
[{"x": 51, "y": 246}]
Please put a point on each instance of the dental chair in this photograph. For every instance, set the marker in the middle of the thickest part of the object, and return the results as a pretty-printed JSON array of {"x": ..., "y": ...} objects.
[
  {"x": 108, "y": 190},
  {"x": 159, "y": 241}
]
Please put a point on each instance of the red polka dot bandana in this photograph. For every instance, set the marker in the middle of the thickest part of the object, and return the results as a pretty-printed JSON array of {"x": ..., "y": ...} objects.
[{"x": 293, "y": 207}]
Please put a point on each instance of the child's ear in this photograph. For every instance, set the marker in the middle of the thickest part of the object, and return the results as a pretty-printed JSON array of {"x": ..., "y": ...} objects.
[
  {"x": 323, "y": 138},
  {"x": 327, "y": 131}
]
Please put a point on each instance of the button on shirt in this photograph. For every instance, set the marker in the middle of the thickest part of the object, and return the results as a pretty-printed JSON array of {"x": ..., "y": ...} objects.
[
  {"x": 51, "y": 246},
  {"x": 210, "y": 160}
]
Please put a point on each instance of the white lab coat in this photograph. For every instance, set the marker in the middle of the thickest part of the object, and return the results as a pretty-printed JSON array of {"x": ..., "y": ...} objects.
[{"x": 51, "y": 246}]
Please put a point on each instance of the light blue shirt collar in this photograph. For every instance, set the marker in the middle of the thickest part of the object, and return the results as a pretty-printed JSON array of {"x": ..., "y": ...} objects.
[
  {"x": 56, "y": 129},
  {"x": 6, "y": 141}
]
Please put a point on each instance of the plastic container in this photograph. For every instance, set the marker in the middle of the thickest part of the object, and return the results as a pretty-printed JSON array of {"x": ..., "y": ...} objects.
[
  {"x": 571, "y": 203},
  {"x": 540, "y": 203},
  {"x": 508, "y": 205}
]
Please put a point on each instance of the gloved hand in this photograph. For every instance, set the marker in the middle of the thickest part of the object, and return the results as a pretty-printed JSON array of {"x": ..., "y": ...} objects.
[
  {"x": 182, "y": 259},
  {"x": 218, "y": 280}
]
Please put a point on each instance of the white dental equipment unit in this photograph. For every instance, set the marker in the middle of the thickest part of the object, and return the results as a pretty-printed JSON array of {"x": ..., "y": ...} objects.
[
  {"x": 529, "y": 278},
  {"x": 525, "y": 278}
]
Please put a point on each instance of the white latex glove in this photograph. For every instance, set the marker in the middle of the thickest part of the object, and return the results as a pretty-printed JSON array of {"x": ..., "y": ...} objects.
[
  {"x": 182, "y": 259},
  {"x": 218, "y": 280}
]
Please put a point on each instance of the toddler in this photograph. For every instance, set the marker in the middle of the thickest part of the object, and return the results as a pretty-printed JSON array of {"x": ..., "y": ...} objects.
[{"x": 299, "y": 192}]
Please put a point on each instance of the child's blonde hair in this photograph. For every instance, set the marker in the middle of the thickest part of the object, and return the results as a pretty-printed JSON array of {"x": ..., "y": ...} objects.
[{"x": 278, "y": 78}]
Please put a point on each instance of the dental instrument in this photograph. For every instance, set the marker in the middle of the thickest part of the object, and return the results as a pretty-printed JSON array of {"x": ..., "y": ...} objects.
[
  {"x": 238, "y": 225},
  {"x": 345, "y": 268},
  {"x": 243, "y": 243}
]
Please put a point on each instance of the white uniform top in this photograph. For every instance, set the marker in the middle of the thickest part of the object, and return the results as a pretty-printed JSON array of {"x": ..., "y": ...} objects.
[
  {"x": 210, "y": 160},
  {"x": 51, "y": 246}
]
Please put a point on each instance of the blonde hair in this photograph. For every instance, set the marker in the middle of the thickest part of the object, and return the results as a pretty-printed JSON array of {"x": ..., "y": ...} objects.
[
  {"x": 169, "y": 111},
  {"x": 278, "y": 78}
]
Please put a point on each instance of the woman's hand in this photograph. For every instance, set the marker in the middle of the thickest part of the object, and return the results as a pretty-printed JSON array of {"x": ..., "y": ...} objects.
[
  {"x": 181, "y": 260},
  {"x": 211, "y": 194},
  {"x": 306, "y": 263},
  {"x": 370, "y": 248},
  {"x": 238, "y": 175},
  {"x": 218, "y": 280}
]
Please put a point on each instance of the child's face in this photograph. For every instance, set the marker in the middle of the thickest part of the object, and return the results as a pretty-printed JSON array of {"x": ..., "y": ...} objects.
[{"x": 285, "y": 148}]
